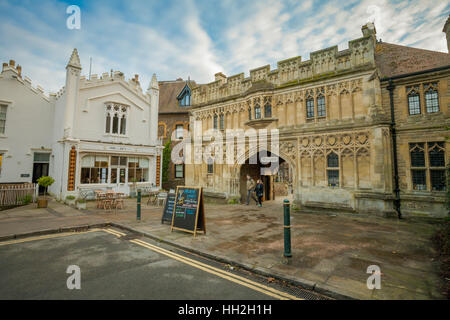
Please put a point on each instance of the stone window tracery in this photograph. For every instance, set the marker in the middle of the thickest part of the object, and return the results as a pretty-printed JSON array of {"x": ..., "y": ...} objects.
[
  {"x": 413, "y": 100},
  {"x": 116, "y": 119},
  {"x": 432, "y": 98}
]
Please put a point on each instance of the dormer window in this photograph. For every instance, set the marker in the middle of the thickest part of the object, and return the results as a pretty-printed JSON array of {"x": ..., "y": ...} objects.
[
  {"x": 116, "y": 119},
  {"x": 184, "y": 98}
]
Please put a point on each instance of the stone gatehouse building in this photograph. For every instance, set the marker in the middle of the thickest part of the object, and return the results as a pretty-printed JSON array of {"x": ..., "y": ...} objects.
[{"x": 336, "y": 129}]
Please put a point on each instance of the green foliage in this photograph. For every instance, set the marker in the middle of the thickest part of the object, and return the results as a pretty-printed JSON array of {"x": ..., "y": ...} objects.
[
  {"x": 45, "y": 181},
  {"x": 70, "y": 198},
  {"x": 81, "y": 200},
  {"x": 26, "y": 199},
  {"x": 166, "y": 160},
  {"x": 234, "y": 200}
]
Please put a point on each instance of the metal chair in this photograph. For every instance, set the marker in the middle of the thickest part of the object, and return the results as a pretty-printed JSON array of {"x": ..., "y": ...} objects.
[{"x": 161, "y": 197}]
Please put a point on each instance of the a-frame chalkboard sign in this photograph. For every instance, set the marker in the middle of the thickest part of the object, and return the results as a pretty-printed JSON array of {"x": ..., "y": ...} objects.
[
  {"x": 188, "y": 211},
  {"x": 168, "y": 209}
]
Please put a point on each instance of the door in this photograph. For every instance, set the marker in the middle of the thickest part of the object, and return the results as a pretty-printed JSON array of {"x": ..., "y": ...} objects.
[
  {"x": 40, "y": 167},
  {"x": 119, "y": 173}
]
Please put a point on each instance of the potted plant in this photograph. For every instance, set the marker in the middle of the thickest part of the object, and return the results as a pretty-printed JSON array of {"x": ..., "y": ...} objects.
[
  {"x": 133, "y": 188},
  {"x": 81, "y": 204},
  {"x": 44, "y": 182},
  {"x": 70, "y": 200}
]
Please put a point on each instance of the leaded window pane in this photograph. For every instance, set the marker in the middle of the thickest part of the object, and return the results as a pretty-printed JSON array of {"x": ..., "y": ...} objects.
[
  {"x": 257, "y": 112},
  {"x": 310, "y": 108},
  {"x": 438, "y": 180},
  {"x": 333, "y": 160},
  {"x": 333, "y": 178},
  {"x": 432, "y": 100},
  {"x": 436, "y": 155},
  {"x": 222, "y": 122},
  {"x": 414, "y": 103},
  {"x": 267, "y": 111},
  {"x": 417, "y": 155},
  {"x": 321, "y": 108},
  {"x": 215, "y": 121},
  {"x": 419, "y": 179}
]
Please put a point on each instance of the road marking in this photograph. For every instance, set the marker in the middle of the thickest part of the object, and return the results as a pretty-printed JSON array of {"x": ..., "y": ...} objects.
[
  {"x": 218, "y": 272},
  {"x": 114, "y": 232},
  {"x": 48, "y": 236}
]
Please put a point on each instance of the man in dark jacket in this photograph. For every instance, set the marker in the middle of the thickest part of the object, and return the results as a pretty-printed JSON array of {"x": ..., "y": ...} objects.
[{"x": 259, "y": 189}]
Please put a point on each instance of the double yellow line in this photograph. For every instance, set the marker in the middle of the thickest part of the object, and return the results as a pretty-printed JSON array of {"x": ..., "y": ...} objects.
[{"x": 218, "y": 272}]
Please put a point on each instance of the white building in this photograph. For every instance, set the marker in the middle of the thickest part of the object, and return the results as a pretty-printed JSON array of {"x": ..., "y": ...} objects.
[{"x": 97, "y": 133}]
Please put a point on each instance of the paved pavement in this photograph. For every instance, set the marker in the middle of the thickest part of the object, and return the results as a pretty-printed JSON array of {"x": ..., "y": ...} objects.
[
  {"x": 113, "y": 266},
  {"x": 330, "y": 252}
]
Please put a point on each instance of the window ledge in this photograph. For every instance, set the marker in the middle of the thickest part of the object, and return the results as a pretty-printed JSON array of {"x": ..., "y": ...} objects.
[{"x": 260, "y": 123}]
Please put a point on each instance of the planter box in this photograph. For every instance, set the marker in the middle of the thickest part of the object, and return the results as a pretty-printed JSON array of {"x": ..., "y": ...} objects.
[
  {"x": 70, "y": 202},
  {"x": 81, "y": 205},
  {"x": 42, "y": 203}
]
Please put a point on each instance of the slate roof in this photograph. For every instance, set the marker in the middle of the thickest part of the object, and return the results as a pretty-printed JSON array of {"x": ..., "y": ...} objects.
[
  {"x": 393, "y": 60},
  {"x": 168, "y": 92}
]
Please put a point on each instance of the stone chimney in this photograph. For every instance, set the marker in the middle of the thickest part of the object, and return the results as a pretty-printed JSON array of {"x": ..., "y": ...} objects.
[
  {"x": 19, "y": 71},
  {"x": 447, "y": 32}
]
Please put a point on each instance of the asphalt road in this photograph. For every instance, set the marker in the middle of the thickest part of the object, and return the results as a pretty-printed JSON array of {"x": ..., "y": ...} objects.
[{"x": 116, "y": 267}]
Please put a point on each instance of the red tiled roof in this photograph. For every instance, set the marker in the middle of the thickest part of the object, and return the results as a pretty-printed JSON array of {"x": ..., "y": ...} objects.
[{"x": 393, "y": 60}]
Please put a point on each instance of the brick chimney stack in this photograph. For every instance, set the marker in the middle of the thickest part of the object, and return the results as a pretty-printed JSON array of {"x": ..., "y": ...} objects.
[{"x": 447, "y": 32}]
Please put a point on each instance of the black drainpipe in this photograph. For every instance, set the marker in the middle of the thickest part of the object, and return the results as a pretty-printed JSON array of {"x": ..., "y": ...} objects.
[{"x": 391, "y": 88}]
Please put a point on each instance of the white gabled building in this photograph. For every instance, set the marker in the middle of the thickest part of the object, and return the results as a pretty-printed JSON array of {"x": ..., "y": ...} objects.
[{"x": 98, "y": 133}]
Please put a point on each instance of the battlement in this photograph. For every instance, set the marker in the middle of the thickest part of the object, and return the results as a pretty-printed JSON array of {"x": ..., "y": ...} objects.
[
  {"x": 114, "y": 76},
  {"x": 325, "y": 62},
  {"x": 10, "y": 70}
]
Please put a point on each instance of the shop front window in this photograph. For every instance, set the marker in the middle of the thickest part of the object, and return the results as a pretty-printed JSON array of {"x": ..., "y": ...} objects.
[{"x": 94, "y": 169}]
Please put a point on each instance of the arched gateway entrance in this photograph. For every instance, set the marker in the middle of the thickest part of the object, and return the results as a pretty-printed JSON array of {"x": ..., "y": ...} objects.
[{"x": 277, "y": 179}]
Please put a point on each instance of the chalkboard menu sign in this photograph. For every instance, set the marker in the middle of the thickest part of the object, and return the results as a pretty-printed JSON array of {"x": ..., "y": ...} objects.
[
  {"x": 168, "y": 208},
  {"x": 188, "y": 212}
]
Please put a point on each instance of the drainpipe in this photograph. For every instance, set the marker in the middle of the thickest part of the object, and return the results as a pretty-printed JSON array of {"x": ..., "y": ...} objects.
[{"x": 391, "y": 88}]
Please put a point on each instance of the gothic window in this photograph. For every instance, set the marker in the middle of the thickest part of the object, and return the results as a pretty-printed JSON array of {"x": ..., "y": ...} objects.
[
  {"x": 116, "y": 119},
  {"x": 267, "y": 107},
  {"x": 417, "y": 154},
  {"x": 249, "y": 113},
  {"x": 436, "y": 155},
  {"x": 222, "y": 121},
  {"x": 321, "y": 108},
  {"x": 432, "y": 99},
  {"x": 428, "y": 159},
  {"x": 257, "y": 109},
  {"x": 310, "y": 108},
  {"x": 210, "y": 166},
  {"x": 161, "y": 130},
  {"x": 413, "y": 100},
  {"x": 215, "y": 121},
  {"x": 333, "y": 170},
  {"x": 115, "y": 127}
]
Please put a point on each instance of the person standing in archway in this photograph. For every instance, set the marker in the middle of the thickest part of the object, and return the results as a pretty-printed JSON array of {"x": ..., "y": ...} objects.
[
  {"x": 259, "y": 190},
  {"x": 250, "y": 189}
]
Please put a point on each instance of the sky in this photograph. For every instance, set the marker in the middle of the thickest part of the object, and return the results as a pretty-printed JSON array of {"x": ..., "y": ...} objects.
[{"x": 198, "y": 38}]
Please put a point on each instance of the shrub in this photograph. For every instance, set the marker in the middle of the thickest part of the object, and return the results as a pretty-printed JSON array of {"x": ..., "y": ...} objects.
[
  {"x": 70, "y": 198},
  {"x": 45, "y": 182},
  {"x": 81, "y": 201},
  {"x": 26, "y": 199}
]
